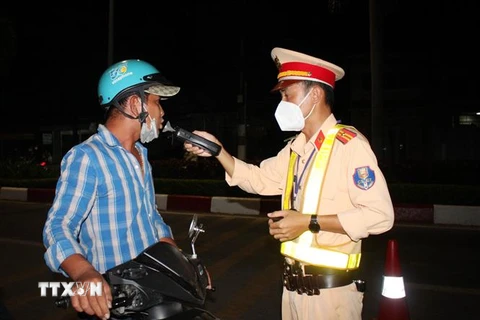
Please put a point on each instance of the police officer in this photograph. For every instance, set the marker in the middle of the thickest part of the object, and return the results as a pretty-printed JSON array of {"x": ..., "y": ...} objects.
[{"x": 333, "y": 192}]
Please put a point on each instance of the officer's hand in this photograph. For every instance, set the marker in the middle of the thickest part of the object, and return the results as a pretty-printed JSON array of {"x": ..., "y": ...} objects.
[
  {"x": 198, "y": 150},
  {"x": 290, "y": 225},
  {"x": 98, "y": 305}
]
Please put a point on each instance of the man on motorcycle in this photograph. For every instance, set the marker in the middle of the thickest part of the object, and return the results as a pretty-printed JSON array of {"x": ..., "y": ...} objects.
[{"x": 104, "y": 212}]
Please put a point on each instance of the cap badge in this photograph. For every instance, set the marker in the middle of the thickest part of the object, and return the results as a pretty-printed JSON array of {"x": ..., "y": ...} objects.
[{"x": 277, "y": 63}]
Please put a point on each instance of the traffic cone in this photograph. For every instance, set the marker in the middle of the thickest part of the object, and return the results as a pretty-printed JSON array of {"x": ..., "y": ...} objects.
[{"x": 393, "y": 304}]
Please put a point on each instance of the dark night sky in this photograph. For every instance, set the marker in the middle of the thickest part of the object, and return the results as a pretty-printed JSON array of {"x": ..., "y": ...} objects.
[{"x": 61, "y": 48}]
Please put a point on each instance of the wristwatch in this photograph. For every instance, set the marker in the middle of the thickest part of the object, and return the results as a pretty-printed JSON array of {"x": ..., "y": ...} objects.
[{"x": 314, "y": 227}]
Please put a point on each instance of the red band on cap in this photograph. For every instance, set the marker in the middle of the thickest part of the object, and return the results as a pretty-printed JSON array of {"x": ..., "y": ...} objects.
[{"x": 305, "y": 70}]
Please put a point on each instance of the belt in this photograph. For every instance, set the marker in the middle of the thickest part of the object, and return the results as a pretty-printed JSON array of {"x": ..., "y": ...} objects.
[
  {"x": 310, "y": 279},
  {"x": 316, "y": 270}
]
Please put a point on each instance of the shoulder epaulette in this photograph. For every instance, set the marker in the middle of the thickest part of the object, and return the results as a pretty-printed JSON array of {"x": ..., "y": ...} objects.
[{"x": 344, "y": 135}]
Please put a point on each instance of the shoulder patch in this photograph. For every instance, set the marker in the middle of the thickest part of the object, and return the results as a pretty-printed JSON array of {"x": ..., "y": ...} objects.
[
  {"x": 344, "y": 135},
  {"x": 364, "y": 177}
]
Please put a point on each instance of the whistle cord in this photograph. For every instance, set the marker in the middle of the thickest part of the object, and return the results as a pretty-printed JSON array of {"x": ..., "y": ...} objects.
[{"x": 298, "y": 180}]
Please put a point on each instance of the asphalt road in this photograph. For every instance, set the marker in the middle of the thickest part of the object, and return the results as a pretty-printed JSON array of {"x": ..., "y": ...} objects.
[{"x": 439, "y": 266}]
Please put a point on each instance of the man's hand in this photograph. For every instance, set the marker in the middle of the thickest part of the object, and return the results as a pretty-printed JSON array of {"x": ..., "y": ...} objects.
[
  {"x": 92, "y": 305},
  {"x": 286, "y": 225}
]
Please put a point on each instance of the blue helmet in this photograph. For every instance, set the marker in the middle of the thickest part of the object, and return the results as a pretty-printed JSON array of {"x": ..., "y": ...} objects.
[{"x": 128, "y": 75}]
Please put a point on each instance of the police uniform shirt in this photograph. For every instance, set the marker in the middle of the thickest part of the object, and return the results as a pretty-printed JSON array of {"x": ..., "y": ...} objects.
[{"x": 354, "y": 187}]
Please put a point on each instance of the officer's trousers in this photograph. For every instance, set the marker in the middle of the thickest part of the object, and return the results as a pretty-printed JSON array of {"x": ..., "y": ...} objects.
[{"x": 341, "y": 303}]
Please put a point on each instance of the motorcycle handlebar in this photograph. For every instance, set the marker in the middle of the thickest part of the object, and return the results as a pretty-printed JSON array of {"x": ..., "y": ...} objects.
[{"x": 64, "y": 302}]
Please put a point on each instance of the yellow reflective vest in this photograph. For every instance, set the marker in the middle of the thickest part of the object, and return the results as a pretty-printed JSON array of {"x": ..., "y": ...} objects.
[{"x": 303, "y": 248}]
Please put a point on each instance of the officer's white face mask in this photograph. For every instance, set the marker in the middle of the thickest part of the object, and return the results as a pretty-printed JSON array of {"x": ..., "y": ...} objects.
[
  {"x": 148, "y": 133},
  {"x": 289, "y": 115}
]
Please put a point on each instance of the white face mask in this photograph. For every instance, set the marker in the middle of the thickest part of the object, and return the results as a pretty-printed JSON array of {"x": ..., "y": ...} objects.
[
  {"x": 149, "y": 133},
  {"x": 289, "y": 115}
]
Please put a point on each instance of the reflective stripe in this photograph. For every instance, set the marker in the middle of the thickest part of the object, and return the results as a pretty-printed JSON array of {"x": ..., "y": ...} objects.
[
  {"x": 320, "y": 256},
  {"x": 301, "y": 248},
  {"x": 393, "y": 287}
]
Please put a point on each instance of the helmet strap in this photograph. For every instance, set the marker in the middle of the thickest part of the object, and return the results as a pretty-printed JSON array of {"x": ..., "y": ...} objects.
[
  {"x": 141, "y": 116},
  {"x": 120, "y": 108},
  {"x": 144, "y": 114}
]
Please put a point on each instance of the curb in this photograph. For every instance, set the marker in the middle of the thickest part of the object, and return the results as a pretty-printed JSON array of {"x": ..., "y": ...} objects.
[{"x": 423, "y": 214}]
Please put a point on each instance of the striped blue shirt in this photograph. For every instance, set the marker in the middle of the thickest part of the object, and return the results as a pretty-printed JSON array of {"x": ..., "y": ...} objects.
[{"x": 103, "y": 208}]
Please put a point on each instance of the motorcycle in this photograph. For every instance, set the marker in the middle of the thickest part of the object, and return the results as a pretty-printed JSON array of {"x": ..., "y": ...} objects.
[{"x": 162, "y": 282}]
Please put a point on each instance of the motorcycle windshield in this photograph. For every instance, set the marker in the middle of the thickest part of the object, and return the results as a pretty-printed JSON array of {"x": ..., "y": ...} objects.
[{"x": 164, "y": 256}]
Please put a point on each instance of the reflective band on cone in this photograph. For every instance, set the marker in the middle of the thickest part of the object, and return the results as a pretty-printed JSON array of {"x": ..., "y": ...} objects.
[
  {"x": 393, "y": 287},
  {"x": 393, "y": 304}
]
